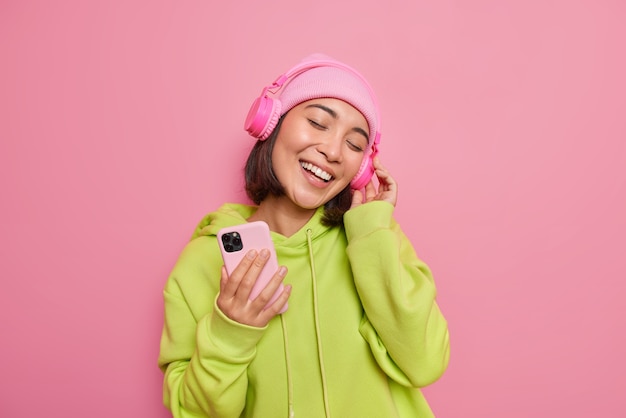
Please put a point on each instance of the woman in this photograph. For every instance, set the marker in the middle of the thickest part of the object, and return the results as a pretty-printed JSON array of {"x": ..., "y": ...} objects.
[{"x": 362, "y": 332}]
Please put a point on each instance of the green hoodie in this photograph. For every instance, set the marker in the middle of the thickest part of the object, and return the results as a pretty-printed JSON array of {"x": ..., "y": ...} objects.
[{"x": 362, "y": 333}]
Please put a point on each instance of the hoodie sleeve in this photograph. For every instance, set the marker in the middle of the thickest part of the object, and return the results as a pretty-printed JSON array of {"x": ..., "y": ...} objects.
[
  {"x": 204, "y": 354},
  {"x": 403, "y": 325}
]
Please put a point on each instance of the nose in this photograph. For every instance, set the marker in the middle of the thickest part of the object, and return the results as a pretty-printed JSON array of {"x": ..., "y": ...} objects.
[{"x": 330, "y": 147}]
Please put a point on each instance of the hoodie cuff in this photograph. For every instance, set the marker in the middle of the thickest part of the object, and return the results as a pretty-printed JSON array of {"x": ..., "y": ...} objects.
[
  {"x": 231, "y": 337},
  {"x": 367, "y": 218}
]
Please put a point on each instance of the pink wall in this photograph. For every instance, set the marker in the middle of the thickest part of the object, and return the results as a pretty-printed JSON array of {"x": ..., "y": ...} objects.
[{"x": 504, "y": 122}]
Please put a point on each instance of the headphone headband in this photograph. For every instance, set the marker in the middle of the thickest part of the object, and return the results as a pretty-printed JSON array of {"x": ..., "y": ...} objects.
[{"x": 309, "y": 65}]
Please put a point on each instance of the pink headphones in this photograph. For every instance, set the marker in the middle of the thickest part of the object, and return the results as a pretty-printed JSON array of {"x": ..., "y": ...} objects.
[{"x": 265, "y": 113}]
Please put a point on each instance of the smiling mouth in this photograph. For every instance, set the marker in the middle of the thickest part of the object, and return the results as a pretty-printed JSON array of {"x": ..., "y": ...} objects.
[{"x": 316, "y": 171}]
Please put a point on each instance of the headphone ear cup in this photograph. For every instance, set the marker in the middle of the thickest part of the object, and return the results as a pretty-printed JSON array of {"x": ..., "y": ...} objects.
[
  {"x": 365, "y": 173},
  {"x": 262, "y": 117}
]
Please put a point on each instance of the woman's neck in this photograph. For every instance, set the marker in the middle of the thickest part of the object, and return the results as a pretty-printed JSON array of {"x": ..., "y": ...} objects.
[{"x": 282, "y": 215}]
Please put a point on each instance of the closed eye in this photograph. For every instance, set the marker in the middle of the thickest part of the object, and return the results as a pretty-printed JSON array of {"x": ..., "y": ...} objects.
[
  {"x": 317, "y": 125},
  {"x": 354, "y": 146}
]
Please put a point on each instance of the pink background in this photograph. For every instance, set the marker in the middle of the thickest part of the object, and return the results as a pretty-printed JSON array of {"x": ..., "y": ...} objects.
[{"x": 504, "y": 123}]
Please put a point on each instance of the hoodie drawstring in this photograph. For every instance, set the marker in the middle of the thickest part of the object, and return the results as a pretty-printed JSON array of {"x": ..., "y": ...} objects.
[
  {"x": 318, "y": 336},
  {"x": 320, "y": 354},
  {"x": 289, "y": 380}
]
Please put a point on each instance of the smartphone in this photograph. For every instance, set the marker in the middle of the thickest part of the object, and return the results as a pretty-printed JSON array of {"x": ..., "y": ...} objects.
[{"x": 236, "y": 241}]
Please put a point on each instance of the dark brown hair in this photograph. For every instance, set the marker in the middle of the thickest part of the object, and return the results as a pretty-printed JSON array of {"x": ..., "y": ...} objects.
[{"x": 262, "y": 182}]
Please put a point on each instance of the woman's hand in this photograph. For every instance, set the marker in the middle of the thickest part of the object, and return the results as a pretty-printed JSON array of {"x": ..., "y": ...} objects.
[
  {"x": 235, "y": 289},
  {"x": 387, "y": 189}
]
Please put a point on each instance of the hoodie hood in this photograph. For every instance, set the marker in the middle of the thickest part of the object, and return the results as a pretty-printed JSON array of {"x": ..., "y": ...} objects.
[{"x": 232, "y": 214}]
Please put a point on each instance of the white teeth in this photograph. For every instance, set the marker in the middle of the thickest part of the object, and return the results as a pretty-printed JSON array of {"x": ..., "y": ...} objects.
[{"x": 317, "y": 171}]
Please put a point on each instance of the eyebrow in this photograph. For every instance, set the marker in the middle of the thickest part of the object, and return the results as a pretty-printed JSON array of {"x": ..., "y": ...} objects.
[{"x": 334, "y": 115}]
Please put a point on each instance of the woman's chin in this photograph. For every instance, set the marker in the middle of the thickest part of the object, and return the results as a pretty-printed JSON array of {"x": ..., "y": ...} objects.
[{"x": 310, "y": 201}]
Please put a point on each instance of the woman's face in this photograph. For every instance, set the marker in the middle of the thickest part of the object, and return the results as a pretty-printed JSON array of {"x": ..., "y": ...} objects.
[{"x": 319, "y": 150}]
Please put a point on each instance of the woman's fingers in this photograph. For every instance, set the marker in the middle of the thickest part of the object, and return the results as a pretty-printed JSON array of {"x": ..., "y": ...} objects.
[
  {"x": 266, "y": 294},
  {"x": 262, "y": 304},
  {"x": 251, "y": 271},
  {"x": 231, "y": 283},
  {"x": 370, "y": 191},
  {"x": 275, "y": 308},
  {"x": 357, "y": 198},
  {"x": 234, "y": 298},
  {"x": 388, "y": 188}
]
